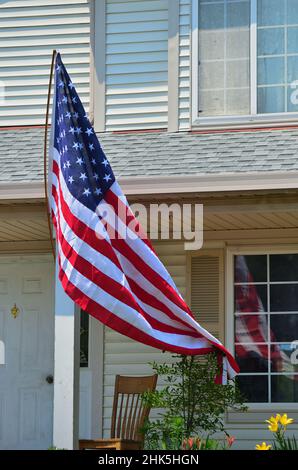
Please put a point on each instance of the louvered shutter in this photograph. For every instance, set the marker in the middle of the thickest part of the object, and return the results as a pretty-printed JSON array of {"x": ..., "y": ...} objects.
[{"x": 207, "y": 301}]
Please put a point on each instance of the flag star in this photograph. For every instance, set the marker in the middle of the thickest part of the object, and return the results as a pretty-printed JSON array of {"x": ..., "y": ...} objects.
[
  {"x": 107, "y": 177},
  {"x": 68, "y": 164},
  {"x": 68, "y": 115},
  {"x": 105, "y": 162},
  {"x": 83, "y": 176},
  {"x": 86, "y": 192},
  {"x": 70, "y": 179},
  {"x": 89, "y": 131},
  {"x": 58, "y": 68},
  {"x": 98, "y": 191},
  {"x": 58, "y": 140},
  {"x": 71, "y": 85},
  {"x": 95, "y": 176},
  {"x": 64, "y": 165},
  {"x": 61, "y": 84},
  {"x": 75, "y": 145},
  {"x": 74, "y": 100},
  {"x": 72, "y": 130},
  {"x": 75, "y": 115},
  {"x": 65, "y": 148},
  {"x": 81, "y": 146},
  {"x": 91, "y": 146},
  {"x": 79, "y": 161},
  {"x": 93, "y": 161},
  {"x": 64, "y": 99},
  {"x": 78, "y": 130},
  {"x": 86, "y": 117}
]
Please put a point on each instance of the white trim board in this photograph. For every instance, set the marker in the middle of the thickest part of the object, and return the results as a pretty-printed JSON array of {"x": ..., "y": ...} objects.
[{"x": 174, "y": 184}]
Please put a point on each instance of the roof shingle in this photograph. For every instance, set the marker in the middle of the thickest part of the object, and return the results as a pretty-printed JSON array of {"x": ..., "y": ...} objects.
[{"x": 161, "y": 153}]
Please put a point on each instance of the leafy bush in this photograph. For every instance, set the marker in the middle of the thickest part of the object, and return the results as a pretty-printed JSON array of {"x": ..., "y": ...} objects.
[{"x": 191, "y": 402}]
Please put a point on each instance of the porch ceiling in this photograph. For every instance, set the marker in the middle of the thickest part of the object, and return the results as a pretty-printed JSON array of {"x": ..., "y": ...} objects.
[
  {"x": 27, "y": 222},
  {"x": 23, "y": 222}
]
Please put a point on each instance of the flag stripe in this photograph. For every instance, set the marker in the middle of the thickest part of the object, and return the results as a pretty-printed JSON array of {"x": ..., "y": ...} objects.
[{"x": 112, "y": 272}]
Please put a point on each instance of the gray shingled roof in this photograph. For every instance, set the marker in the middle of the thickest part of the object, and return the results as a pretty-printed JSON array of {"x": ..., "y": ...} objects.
[{"x": 150, "y": 154}]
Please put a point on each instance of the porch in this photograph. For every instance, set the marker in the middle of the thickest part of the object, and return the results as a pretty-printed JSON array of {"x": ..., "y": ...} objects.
[{"x": 235, "y": 223}]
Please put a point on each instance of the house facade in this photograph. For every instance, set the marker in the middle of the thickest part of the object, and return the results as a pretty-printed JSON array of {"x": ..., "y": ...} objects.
[{"x": 194, "y": 102}]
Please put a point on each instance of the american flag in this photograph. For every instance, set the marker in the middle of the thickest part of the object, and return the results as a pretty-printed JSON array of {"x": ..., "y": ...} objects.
[{"x": 117, "y": 279}]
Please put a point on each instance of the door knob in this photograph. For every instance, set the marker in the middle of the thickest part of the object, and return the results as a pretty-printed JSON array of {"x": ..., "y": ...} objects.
[{"x": 50, "y": 379}]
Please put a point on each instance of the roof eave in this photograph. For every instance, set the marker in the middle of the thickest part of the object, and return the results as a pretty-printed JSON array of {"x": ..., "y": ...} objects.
[{"x": 173, "y": 184}]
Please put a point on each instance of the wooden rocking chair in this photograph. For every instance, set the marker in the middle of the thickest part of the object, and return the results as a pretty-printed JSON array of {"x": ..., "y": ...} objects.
[{"x": 128, "y": 416}]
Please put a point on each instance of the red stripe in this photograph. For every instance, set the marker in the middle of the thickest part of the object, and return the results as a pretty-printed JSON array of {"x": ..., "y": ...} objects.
[
  {"x": 153, "y": 301},
  {"x": 112, "y": 287},
  {"x": 84, "y": 232},
  {"x": 126, "y": 216},
  {"x": 108, "y": 251},
  {"x": 139, "y": 292},
  {"x": 120, "y": 325},
  {"x": 89, "y": 236}
]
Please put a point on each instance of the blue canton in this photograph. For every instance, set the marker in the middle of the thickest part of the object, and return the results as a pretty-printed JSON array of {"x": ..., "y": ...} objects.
[{"x": 86, "y": 170}]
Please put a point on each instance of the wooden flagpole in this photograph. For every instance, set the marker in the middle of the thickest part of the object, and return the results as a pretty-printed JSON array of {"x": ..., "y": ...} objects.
[{"x": 45, "y": 153}]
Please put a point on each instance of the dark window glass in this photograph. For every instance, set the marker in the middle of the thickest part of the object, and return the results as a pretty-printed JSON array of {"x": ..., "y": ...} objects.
[
  {"x": 252, "y": 357},
  {"x": 284, "y": 297},
  {"x": 283, "y": 358},
  {"x": 254, "y": 387},
  {"x": 284, "y": 388},
  {"x": 84, "y": 339},
  {"x": 250, "y": 298},
  {"x": 283, "y": 268},
  {"x": 250, "y": 268},
  {"x": 284, "y": 327},
  {"x": 251, "y": 328}
]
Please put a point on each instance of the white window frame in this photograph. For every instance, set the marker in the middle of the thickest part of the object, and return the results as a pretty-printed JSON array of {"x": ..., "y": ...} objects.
[
  {"x": 229, "y": 307},
  {"x": 253, "y": 118}
]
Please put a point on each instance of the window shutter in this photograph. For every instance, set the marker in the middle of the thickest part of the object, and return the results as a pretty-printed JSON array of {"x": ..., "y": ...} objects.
[{"x": 207, "y": 292}]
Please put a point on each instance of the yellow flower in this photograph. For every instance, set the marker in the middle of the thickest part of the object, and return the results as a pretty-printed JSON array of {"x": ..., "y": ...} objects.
[
  {"x": 263, "y": 446},
  {"x": 284, "y": 420},
  {"x": 273, "y": 427},
  {"x": 273, "y": 423},
  {"x": 273, "y": 419}
]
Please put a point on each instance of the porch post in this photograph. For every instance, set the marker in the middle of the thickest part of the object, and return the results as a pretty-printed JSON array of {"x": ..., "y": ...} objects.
[{"x": 66, "y": 370}]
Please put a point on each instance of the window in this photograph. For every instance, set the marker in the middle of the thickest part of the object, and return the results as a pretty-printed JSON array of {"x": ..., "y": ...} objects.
[
  {"x": 84, "y": 339},
  {"x": 245, "y": 63},
  {"x": 266, "y": 326}
]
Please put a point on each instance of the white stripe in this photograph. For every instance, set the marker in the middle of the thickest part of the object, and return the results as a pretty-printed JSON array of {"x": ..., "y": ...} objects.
[
  {"x": 90, "y": 218},
  {"x": 82, "y": 212},
  {"x": 141, "y": 248},
  {"x": 136, "y": 243},
  {"x": 104, "y": 264},
  {"x": 125, "y": 312}
]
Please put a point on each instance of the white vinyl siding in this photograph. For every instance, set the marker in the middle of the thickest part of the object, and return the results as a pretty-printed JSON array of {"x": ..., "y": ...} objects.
[
  {"x": 136, "y": 64},
  {"x": 29, "y": 31},
  {"x": 184, "y": 64}
]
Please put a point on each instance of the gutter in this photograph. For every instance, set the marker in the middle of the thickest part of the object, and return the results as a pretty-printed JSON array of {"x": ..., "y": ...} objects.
[{"x": 185, "y": 184}]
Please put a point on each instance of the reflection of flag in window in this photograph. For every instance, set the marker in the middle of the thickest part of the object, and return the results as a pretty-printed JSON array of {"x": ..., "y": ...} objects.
[{"x": 252, "y": 329}]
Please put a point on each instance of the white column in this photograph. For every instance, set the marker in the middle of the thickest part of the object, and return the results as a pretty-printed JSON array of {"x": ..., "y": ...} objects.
[{"x": 66, "y": 370}]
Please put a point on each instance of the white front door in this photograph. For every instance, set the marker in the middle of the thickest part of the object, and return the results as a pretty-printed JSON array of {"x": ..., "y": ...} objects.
[{"x": 27, "y": 331}]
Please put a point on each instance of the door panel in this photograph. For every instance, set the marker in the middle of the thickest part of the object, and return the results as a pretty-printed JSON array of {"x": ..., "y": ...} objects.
[{"x": 26, "y": 398}]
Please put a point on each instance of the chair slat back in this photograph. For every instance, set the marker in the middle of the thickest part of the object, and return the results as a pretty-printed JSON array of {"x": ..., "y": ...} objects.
[{"x": 129, "y": 412}]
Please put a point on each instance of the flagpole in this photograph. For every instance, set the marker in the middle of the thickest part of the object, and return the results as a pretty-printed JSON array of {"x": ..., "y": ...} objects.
[{"x": 45, "y": 153}]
